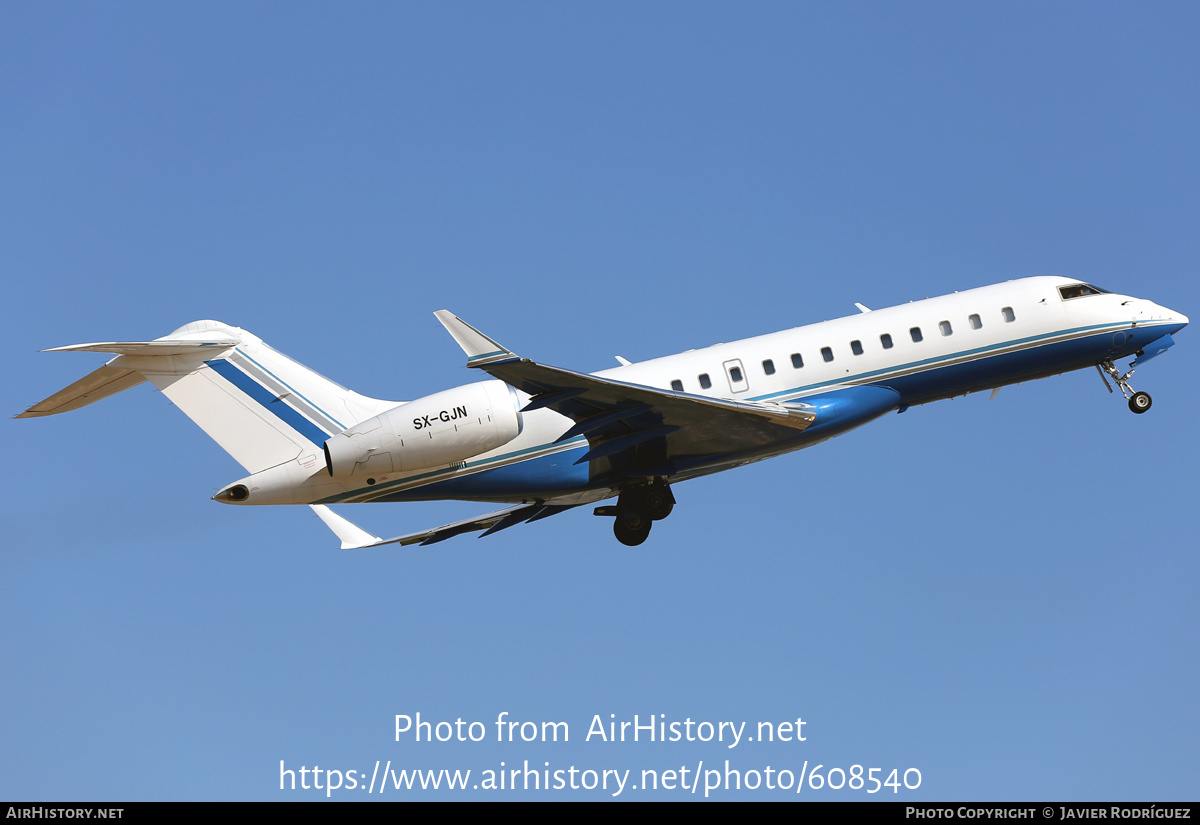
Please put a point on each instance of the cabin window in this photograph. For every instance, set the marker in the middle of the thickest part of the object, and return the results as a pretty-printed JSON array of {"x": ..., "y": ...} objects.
[
  {"x": 945, "y": 328},
  {"x": 886, "y": 340},
  {"x": 677, "y": 385},
  {"x": 705, "y": 381},
  {"x": 827, "y": 353},
  {"x": 1009, "y": 315},
  {"x": 735, "y": 375},
  {"x": 976, "y": 322},
  {"x": 768, "y": 367},
  {"x": 856, "y": 347},
  {"x": 915, "y": 332},
  {"x": 797, "y": 360}
]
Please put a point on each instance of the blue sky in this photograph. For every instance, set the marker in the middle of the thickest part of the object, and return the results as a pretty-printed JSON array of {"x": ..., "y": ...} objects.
[{"x": 1000, "y": 594}]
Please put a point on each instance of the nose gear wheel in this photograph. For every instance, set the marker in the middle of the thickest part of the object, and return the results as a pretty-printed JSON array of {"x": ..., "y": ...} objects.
[{"x": 1139, "y": 402}]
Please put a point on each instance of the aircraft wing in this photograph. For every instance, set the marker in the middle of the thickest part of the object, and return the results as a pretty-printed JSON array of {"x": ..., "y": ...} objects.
[
  {"x": 354, "y": 537},
  {"x": 616, "y": 416}
]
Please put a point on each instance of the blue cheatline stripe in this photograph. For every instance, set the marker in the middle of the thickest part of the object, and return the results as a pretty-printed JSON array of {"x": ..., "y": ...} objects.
[
  {"x": 491, "y": 354},
  {"x": 291, "y": 389},
  {"x": 977, "y": 353},
  {"x": 269, "y": 401},
  {"x": 488, "y": 359}
]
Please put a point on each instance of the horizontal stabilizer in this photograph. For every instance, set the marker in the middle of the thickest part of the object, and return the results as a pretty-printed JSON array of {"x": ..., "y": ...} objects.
[
  {"x": 262, "y": 407},
  {"x": 160, "y": 347},
  {"x": 95, "y": 386},
  {"x": 112, "y": 378}
]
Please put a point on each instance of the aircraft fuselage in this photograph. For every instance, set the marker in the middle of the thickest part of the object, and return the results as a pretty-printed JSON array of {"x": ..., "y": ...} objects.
[
  {"x": 922, "y": 351},
  {"x": 547, "y": 439}
]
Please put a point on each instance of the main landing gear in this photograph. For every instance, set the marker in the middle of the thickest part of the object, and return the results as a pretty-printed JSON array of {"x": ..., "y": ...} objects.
[
  {"x": 637, "y": 508},
  {"x": 1139, "y": 402}
]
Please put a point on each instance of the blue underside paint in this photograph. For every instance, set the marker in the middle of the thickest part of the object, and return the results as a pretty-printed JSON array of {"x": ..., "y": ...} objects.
[
  {"x": 1154, "y": 349},
  {"x": 544, "y": 477},
  {"x": 846, "y": 409},
  {"x": 537, "y": 478},
  {"x": 1023, "y": 365}
]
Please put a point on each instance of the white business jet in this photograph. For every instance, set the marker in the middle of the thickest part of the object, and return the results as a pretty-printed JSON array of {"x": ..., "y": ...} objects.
[{"x": 546, "y": 439}]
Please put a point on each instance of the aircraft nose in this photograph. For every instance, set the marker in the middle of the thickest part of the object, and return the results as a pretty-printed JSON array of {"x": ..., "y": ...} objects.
[{"x": 1170, "y": 318}]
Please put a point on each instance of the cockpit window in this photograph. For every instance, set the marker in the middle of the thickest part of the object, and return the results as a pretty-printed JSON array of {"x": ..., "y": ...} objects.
[{"x": 1080, "y": 290}]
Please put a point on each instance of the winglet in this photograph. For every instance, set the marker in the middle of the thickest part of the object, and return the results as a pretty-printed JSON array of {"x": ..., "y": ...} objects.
[
  {"x": 480, "y": 349},
  {"x": 352, "y": 536}
]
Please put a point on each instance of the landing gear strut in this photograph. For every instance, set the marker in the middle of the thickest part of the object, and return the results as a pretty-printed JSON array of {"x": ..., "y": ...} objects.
[
  {"x": 1139, "y": 402},
  {"x": 636, "y": 511}
]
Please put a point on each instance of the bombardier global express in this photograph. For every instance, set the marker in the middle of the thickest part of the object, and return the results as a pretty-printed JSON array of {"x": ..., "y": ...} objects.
[{"x": 545, "y": 439}]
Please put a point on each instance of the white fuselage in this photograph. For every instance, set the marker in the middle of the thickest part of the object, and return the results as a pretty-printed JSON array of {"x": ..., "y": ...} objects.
[{"x": 924, "y": 350}]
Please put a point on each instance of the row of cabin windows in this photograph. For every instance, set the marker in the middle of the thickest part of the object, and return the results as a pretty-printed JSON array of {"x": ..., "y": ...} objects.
[{"x": 856, "y": 347}]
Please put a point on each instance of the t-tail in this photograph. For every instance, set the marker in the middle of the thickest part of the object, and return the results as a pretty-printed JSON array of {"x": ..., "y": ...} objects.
[{"x": 262, "y": 407}]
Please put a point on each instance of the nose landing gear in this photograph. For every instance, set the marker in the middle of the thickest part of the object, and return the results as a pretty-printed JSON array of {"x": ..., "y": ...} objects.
[
  {"x": 1139, "y": 402},
  {"x": 636, "y": 511}
]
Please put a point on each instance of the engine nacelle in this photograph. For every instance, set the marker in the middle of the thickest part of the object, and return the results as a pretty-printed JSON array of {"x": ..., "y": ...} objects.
[{"x": 433, "y": 431}]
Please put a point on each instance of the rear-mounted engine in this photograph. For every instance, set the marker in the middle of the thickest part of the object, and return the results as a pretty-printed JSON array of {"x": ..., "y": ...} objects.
[{"x": 433, "y": 431}]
